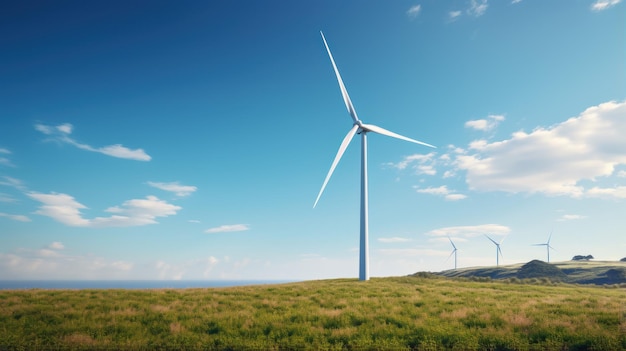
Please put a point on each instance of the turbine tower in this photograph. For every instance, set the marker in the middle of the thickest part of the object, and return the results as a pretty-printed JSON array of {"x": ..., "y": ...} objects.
[
  {"x": 547, "y": 245},
  {"x": 453, "y": 252},
  {"x": 358, "y": 127},
  {"x": 498, "y": 251}
]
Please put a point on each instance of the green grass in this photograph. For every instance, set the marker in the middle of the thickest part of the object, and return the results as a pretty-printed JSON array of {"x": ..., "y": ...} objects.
[{"x": 404, "y": 313}]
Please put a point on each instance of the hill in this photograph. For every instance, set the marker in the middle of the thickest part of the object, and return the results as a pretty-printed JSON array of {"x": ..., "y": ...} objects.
[{"x": 574, "y": 272}]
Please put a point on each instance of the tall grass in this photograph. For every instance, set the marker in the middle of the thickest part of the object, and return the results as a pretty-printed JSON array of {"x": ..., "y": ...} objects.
[{"x": 406, "y": 313}]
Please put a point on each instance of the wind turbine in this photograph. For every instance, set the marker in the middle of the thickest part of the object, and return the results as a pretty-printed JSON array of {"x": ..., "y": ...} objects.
[
  {"x": 498, "y": 251},
  {"x": 547, "y": 245},
  {"x": 358, "y": 127},
  {"x": 453, "y": 252}
]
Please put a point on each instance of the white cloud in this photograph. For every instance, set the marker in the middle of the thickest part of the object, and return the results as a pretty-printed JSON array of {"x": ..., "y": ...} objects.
[
  {"x": 477, "y": 7},
  {"x": 487, "y": 124},
  {"x": 61, "y": 133},
  {"x": 120, "y": 151},
  {"x": 470, "y": 231},
  {"x": 414, "y": 11},
  {"x": 122, "y": 265},
  {"x": 600, "y": 5},
  {"x": 441, "y": 191},
  {"x": 193, "y": 221},
  {"x": 515, "y": 1},
  {"x": 175, "y": 187},
  {"x": 395, "y": 239},
  {"x": 12, "y": 182},
  {"x": 27, "y": 263},
  {"x": 20, "y": 218},
  {"x": 6, "y": 198},
  {"x": 607, "y": 193},
  {"x": 413, "y": 252},
  {"x": 417, "y": 158},
  {"x": 228, "y": 228},
  {"x": 621, "y": 174},
  {"x": 454, "y": 15},
  {"x": 552, "y": 160},
  {"x": 3, "y": 160},
  {"x": 57, "y": 245},
  {"x": 65, "y": 209},
  {"x": 570, "y": 217},
  {"x": 420, "y": 164}
]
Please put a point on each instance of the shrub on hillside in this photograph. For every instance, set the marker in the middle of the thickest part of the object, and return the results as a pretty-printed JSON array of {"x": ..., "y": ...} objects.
[
  {"x": 540, "y": 269},
  {"x": 582, "y": 258}
]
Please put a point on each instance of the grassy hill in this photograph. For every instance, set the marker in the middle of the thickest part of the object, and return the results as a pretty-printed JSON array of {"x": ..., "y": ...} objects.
[
  {"x": 424, "y": 312},
  {"x": 574, "y": 272}
]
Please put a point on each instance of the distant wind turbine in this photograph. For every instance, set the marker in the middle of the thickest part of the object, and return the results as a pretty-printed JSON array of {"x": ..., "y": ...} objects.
[
  {"x": 453, "y": 252},
  {"x": 358, "y": 127},
  {"x": 498, "y": 251},
  {"x": 547, "y": 245}
]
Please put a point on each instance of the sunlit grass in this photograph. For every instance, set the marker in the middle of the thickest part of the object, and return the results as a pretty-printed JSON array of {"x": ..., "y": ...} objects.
[{"x": 404, "y": 313}]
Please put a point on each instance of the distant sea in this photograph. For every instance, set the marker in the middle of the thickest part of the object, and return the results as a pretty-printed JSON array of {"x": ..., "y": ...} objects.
[{"x": 130, "y": 284}]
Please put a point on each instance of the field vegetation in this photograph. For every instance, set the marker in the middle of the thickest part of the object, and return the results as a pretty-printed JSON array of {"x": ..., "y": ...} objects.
[{"x": 422, "y": 312}]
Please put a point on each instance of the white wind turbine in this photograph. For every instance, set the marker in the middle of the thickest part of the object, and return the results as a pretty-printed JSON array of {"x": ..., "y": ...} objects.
[
  {"x": 453, "y": 252},
  {"x": 360, "y": 128},
  {"x": 498, "y": 251},
  {"x": 547, "y": 245}
]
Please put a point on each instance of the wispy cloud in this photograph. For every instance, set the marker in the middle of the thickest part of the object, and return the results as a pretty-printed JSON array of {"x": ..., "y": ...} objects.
[
  {"x": 175, "y": 187},
  {"x": 19, "y": 218},
  {"x": 477, "y": 8},
  {"x": 552, "y": 160},
  {"x": 441, "y": 191},
  {"x": 515, "y": 1},
  {"x": 13, "y": 183},
  {"x": 394, "y": 239},
  {"x": 601, "y": 5},
  {"x": 618, "y": 192},
  {"x": 62, "y": 132},
  {"x": 4, "y": 160},
  {"x": 470, "y": 231},
  {"x": 65, "y": 209},
  {"x": 6, "y": 198},
  {"x": 420, "y": 163},
  {"x": 414, "y": 11},
  {"x": 201, "y": 267},
  {"x": 56, "y": 245},
  {"x": 29, "y": 263},
  {"x": 454, "y": 15},
  {"x": 570, "y": 217},
  {"x": 487, "y": 124},
  {"x": 413, "y": 252},
  {"x": 227, "y": 228}
]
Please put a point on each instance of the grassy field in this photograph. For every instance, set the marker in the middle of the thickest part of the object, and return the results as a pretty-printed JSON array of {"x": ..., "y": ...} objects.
[{"x": 403, "y": 313}]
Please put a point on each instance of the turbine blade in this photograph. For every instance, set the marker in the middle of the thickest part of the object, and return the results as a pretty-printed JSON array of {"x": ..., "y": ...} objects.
[
  {"x": 379, "y": 130},
  {"x": 342, "y": 149},
  {"x": 454, "y": 246},
  {"x": 493, "y": 241},
  {"x": 344, "y": 91},
  {"x": 450, "y": 256},
  {"x": 500, "y": 251},
  {"x": 549, "y": 237},
  {"x": 552, "y": 248}
]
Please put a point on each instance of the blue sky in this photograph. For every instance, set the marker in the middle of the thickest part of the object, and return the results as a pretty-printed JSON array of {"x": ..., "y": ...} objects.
[{"x": 189, "y": 140}]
